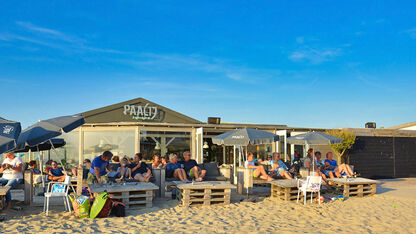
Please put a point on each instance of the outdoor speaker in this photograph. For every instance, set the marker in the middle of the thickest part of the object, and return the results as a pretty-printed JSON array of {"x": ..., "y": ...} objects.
[
  {"x": 370, "y": 125},
  {"x": 214, "y": 120}
]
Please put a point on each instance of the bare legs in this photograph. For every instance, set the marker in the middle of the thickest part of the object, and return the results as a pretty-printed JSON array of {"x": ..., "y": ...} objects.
[
  {"x": 56, "y": 178},
  {"x": 199, "y": 174},
  {"x": 344, "y": 168},
  {"x": 180, "y": 173},
  {"x": 262, "y": 173},
  {"x": 285, "y": 175}
]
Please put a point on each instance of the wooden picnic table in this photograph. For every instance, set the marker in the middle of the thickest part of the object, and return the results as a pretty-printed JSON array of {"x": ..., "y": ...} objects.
[
  {"x": 3, "y": 191},
  {"x": 204, "y": 193},
  {"x": 132, "y": 194},
  {"x": 359, "y": 187}
]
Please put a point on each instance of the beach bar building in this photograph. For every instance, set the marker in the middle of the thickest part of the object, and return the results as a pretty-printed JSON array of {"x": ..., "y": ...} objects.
[{"x": 139, "y": 125}]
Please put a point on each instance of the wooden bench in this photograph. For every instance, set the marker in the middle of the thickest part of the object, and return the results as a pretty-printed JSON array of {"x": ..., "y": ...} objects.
[
  {"x": 359, "y": 187},
  {"x": 204, "y": 193}
]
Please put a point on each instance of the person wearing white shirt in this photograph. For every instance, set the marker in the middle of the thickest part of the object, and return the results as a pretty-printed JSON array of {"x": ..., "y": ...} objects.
[{"x": 11, "y": 168}]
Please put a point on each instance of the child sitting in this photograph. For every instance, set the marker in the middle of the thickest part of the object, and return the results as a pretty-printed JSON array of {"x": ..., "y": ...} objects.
[{"x": 124, "y": 170}]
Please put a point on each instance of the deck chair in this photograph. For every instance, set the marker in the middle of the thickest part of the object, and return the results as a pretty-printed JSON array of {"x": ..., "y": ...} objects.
[
  {"x": 312, "y": 184},
  {"x": 58, "y": 189}
]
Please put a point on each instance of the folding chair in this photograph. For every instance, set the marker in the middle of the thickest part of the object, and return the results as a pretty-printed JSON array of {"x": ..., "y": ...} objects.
[{"x": 58, "y": 189}]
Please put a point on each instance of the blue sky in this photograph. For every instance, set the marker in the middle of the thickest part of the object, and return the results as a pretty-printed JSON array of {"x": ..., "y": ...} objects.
[{"x": 301, "y": 63}]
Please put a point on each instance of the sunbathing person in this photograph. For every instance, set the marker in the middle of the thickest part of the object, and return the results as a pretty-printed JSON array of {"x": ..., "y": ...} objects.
[
  {"x": 174, "y": 169},
  {"x": 139, "y": 170},
  {"x": 191, "y": 167},
  {"x": 124, "y": 170},
  {"x": 56, "y": 173},
  {"x": 258, "y": 171}
]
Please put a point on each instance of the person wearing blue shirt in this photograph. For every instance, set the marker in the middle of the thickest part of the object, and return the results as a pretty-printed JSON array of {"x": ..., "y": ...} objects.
[
  {"x": 56, "y": 173},
  {"x": 330, "y": 165},
  {"x": 279, "y": 167},
  {"x": 174, "y": 169},
  {"x": 98, "y": 168},
  {"x": 191, "y": 167}
]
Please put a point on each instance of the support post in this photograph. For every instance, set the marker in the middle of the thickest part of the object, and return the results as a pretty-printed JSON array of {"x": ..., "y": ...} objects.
[{"x": 28, "y": 185}]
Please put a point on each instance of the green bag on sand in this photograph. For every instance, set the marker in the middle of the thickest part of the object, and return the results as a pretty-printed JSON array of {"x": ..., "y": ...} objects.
[
  {"x": 81, "y": 206},
  {"x": 98, "y": 204}
]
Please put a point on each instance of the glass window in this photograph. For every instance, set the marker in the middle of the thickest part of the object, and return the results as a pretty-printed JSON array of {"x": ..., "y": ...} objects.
[
  {"x": 121, "y": 143},
  {"x": 261, "y": 150},
  {"x": 164, "y": 143}
]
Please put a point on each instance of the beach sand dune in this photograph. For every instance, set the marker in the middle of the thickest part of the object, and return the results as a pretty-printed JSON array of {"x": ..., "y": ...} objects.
[{"x": 387, "y": 212}]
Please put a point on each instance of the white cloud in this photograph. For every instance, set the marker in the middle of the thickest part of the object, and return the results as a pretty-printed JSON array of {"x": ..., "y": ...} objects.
[
  {"x": 411, "y": 32},
  {"x": 314, "y": 56},
  {"x": 198, "y": 63},
  {"x": 54, "y": 39}
]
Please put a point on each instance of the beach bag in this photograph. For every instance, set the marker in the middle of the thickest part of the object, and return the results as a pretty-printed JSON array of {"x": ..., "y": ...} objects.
[
  {"x": 105, "y": 211},
  {"x": 81, "y": 206},
  {"x": 118, "y": 210}
]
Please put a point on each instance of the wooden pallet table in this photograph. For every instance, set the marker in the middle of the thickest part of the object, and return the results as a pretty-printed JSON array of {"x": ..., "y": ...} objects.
[
  {"x": 359, "y": 187},
  {"x": 204, "y": 193},
  {"x": 286, "y": 190},
  {"x": 3, "y": 191},
  {"x": 133, "y": 194}
]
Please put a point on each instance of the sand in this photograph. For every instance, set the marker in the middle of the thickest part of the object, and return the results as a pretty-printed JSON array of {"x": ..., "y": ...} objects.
[{"x": 391, "y": 210}]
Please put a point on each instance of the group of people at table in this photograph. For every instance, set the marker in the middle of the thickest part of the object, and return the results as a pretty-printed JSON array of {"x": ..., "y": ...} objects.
[
  {"x": 107, "y": 166},
  {"x": 274, "y": 167}
]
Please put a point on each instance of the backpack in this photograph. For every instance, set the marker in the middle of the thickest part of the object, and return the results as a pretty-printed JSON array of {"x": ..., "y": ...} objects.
[
  {"x": 119, "y": 209},
  {"x": 105, "y": 211}
]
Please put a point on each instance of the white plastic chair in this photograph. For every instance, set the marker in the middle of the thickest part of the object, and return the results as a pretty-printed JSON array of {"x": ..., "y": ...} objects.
[
  {"x": 312, "y": 184},
  {"x": 58, "y": 189}
]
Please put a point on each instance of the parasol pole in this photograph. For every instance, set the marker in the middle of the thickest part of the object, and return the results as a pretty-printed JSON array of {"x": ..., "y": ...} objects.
[{"x": 41, "y": 166}]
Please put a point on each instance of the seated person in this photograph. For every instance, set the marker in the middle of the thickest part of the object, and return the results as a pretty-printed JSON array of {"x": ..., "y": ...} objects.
[
  {"x": 156, "y": 162},
  {"x": 191, "y": 167},
  {"x": 113, "y": 167},
  {"x": 330, "y": 166},
  {"x": 258, "y": 171},
  {"x": 37, "y": 175},
  {"x": 124, "y": 170},
  {"x": 341, "y": 170},
  {"x": 296, "y": 164},
  {"x": 174, "y": 169},
  {"x": 279, "y": 170},
  {"x": 139, "y": 170},
  {"x": 11, "y": 168},
  {"x": 33, "y": 167},
  {"x": 86, "y": 165},
  {"x": 56, "y": 173},
  {"x": 165, "y": 161}
]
